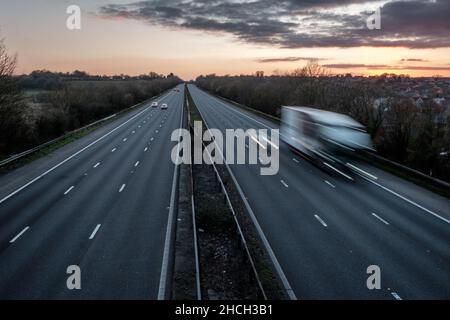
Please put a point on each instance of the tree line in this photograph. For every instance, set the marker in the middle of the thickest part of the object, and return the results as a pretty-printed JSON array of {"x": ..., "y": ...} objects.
[
  {"x": 401, "y": 131},
  {"x": 44, "y": 105},
  {"x": 47, "y": 80}
]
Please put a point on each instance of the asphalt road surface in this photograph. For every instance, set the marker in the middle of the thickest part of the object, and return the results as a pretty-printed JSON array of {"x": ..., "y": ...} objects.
[
  {"x": 103, "y": 204},
  {"x": 325, "y": 230}
]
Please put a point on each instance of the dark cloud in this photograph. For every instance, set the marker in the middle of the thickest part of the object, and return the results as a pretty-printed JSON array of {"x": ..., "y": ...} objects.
[{"x": 299, "y": 23}]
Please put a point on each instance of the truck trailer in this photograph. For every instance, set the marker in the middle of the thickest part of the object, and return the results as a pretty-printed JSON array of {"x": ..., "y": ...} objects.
[{"x": 320, "y": 134}]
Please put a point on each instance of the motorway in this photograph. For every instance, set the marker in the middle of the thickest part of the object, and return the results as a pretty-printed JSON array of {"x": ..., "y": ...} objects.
[
  {"x": 104, "y": 206},
  {"x": 325, "y": 231}
]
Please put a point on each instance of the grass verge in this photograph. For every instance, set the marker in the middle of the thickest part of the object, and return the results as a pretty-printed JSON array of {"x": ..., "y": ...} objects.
[{"x": 219, "y": 229}]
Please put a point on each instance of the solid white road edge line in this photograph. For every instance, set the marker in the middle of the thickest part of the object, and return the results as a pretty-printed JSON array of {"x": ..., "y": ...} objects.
[
  {"x": 73, "y": 155},
  {"x": 406, "y": 199}
]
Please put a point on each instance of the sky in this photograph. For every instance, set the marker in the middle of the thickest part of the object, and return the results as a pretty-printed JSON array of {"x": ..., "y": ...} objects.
[{"x": 194, "y": 37}]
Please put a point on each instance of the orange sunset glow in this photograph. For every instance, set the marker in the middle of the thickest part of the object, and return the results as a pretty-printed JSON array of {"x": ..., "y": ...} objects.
[{"x": 116, "y": 37}]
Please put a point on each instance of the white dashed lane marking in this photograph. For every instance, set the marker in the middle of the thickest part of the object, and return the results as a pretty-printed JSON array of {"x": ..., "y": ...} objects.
[
  {"x": 321, "y": 220},
  {"x": 396, "y": 296},
  {"x": 95, "y": 232},
  {"x": 19, "y": 235},
  {"x": 379, "y": 218},
  {"x": 330, "y": 184},
  {"x": 68, "y": 190}
]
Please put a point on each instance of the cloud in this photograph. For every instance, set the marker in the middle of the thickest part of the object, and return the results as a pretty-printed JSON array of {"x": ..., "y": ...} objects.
[
  {"x": 384, "y": 67},
  {"x": 299, "y": 23},
  {"x": 287, "y": 59},
  {"x": 425, "y": 68},
  {"x": 355, "y": 65},
  {"x": 413, "y": 60}
]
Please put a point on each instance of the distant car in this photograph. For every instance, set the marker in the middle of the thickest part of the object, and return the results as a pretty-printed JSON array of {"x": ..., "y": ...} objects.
[
  {"x": 164, "y": 106},
  {"x": 155, "y": 104}
]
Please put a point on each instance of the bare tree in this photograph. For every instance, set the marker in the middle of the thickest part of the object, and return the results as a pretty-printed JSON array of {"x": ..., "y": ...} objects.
[
  {"x": 313, "y": 70},
  {"x": 368, "y": 108},
  {"x": 310, "y": 90},
  {"x": 399, "y": 122},
  {"x": 7, "y": 66},
  {"x": 11, "y": 102}
]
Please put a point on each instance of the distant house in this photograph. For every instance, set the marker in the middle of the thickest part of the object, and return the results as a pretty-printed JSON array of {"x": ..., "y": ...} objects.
[
  {"x": 440, "y": 101},
  {"x": 418, "y": 101}
]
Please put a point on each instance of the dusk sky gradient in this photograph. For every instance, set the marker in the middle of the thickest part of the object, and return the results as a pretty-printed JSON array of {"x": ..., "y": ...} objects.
[{"x": 193, "y": 37}]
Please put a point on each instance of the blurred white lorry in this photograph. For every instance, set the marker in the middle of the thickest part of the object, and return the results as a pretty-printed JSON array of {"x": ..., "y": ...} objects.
[{"x": 322, "y": 134}]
